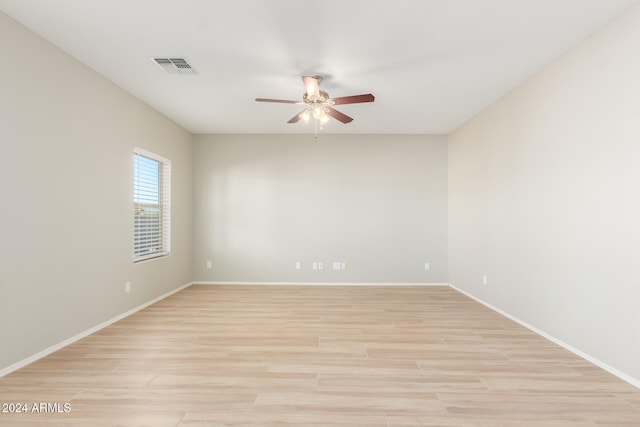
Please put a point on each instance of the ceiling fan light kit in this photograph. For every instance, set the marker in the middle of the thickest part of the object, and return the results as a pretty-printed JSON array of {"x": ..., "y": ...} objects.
[{"x": 319, "y": 105}]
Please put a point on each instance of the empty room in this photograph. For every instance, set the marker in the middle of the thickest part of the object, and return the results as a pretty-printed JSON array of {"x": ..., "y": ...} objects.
[{"x": 343, "y": 213}]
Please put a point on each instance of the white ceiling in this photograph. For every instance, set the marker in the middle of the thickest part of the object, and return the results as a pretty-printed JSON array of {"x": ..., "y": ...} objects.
[{"x": 432, "y": 64}]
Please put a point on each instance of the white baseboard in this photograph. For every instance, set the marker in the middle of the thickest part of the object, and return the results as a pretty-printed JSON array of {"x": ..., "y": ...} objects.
[
  {"x": 631, "y": 380},
  {"x": 216, "y": 282},
  {"x": 60, "y": 345}
]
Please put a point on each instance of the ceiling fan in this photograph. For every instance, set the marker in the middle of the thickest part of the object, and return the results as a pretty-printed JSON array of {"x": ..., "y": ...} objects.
[{"x": 319, "y": 104}]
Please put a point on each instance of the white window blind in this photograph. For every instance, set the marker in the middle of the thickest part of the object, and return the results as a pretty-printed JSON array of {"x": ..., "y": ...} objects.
[{"x": 151, "y": 205}]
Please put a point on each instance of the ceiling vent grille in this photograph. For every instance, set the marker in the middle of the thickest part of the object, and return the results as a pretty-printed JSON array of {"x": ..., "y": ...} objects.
[{"x": 174, "y": 65}]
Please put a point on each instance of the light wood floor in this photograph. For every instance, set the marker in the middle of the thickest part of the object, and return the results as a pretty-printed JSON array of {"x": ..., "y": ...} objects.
[{"x": 327, "y": 356}]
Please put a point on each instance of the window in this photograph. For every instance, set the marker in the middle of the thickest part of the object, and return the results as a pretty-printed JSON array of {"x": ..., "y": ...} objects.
[{"x": 151, "y": 205}]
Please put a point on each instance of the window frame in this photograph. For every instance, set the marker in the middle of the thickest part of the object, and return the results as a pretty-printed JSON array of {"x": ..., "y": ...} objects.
[{"x": 163, "y": 206}]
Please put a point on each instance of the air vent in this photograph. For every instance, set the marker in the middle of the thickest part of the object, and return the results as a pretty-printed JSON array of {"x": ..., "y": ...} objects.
[{"x": 174, "y": 65}]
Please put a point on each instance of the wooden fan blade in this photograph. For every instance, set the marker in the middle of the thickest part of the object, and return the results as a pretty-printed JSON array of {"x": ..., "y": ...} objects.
[
  {"x": 338, "y": 115},
  {"x": 297, "y": 117},
  {"x": 281, "y": 101},
  {"x": 311, "y": 86},
  {"x": 354, "y": 99}
]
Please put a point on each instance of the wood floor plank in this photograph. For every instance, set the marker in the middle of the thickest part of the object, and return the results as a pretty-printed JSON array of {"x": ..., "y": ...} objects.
[
  {"x": 281, "y": 419},
  {"x": 350, "y": 402},
  {"x": 481, "y": 421},
  {"x": 318, "y": 355},
  {"x": 96, "y": 418},
  {"x": 408, "y": 384}
]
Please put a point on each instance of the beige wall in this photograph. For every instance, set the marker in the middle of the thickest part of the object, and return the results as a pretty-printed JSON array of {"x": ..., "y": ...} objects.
[
  {"x": 545, "y": 201},
  {"x": 66, "y": 139},
  {"x": 376, "y": 202}
]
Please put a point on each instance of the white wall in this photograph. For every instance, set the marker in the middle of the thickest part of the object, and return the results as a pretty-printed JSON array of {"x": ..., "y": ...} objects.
[
  {"x": 66, "y": 139},
  {"x": 545, "y": 200},
  {"x": 264, "y": 202}
]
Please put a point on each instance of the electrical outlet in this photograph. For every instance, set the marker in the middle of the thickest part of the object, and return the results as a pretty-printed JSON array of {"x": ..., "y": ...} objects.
[
  {"x": 336, "y": 266},
  {"x": 209, "y": 264},
  {"x": 298, "y": 265},
  {"x": 127, "y": 286},
  {"x": 427, "y": 266},
  {"x": 484, "y": 279}
]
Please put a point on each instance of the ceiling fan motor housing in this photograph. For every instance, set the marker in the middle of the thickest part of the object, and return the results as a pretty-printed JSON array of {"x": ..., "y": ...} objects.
[{"x": 324, "y": 97}]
